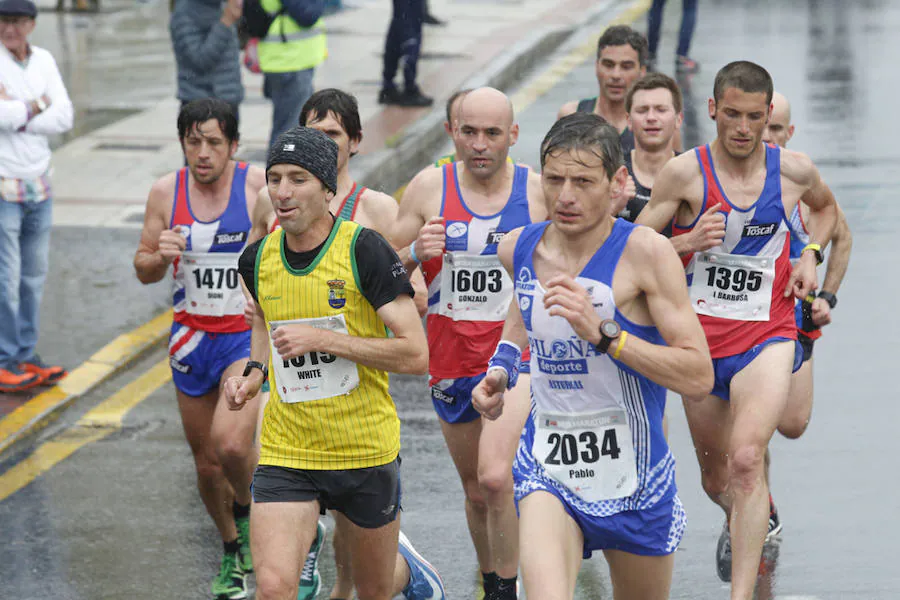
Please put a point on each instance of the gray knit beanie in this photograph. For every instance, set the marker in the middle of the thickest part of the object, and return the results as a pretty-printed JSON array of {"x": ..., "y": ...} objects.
[{"x": 307, "y": 148}]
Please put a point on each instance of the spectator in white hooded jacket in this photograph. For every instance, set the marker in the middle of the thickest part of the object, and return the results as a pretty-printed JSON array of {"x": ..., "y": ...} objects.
[{"x": 34, "y": 104}]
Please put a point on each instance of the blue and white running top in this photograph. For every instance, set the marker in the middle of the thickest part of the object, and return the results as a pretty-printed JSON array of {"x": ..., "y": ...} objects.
[{"x": 595, "y": 435}]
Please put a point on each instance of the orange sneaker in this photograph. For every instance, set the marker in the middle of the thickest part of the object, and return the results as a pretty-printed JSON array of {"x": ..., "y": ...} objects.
[
  {"x": 48, "y": 374},
  {"x": 16, "y": 380}
]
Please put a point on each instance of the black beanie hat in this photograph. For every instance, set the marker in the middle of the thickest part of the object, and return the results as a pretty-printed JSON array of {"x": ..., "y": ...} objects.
[{"x": 307, "y": 148}]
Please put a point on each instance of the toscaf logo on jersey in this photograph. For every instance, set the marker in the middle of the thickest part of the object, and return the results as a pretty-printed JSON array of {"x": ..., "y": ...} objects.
[
  {"x": 494, "y": 237},
  {"x": 759, "y": 229},
  {"x": 231, "y": 238}
]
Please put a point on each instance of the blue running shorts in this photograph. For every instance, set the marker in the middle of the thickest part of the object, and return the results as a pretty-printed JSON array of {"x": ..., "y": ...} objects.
[
  {"x": 727, "y": 367},
  {"x": 199, "y": 359}
]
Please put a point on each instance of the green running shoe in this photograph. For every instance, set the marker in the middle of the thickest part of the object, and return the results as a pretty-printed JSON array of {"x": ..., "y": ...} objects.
[
  {"x": 309, "y": 577},
  {"x": 244, "y": 559},
  {"x": 230, "y": 583}
]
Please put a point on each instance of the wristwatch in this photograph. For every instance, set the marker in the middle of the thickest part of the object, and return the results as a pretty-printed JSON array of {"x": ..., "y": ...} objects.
[
  {"x": 253, "y": 364},
  {"x": 39, "y": 102},
  {"x": 828, "y": 297},
  {"x": 609, "y": 332}
]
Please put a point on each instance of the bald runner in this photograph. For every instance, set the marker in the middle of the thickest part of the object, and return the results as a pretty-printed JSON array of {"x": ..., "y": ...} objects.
[{"x": 450, "y": 223}]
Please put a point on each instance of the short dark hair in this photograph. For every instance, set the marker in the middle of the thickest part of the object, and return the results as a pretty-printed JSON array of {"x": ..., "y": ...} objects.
[
  {"x": 200, "y": 111},
  {"x": 585, "y": 131},
  {"x": 655, "y": 81},
  {"x": 456, "y": 96},
  {"x": 619, "y": 35},
  {"x": 342, "y": 104},
  {"x": 746, "y": 76}
]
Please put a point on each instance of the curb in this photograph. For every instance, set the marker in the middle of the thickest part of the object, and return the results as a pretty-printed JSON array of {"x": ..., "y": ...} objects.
[
  {"x": 391, "y": 168},
  {"x": 37, "y": 413}
]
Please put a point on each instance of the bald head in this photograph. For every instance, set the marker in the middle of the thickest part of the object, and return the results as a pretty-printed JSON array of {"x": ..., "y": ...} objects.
[
  {"x": 485, "y": 131},
  {"x": 487, "y": 103},
  {"x": 779, "y": 128}
]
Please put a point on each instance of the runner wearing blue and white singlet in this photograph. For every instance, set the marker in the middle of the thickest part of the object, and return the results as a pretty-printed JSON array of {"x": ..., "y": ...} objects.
[
  {"x": 625, "y": 466},
  {"x": 604, "y": 309}
]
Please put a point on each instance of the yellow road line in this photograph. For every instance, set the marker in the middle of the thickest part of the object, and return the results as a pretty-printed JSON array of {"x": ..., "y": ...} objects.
[
  {"x": 98, "y": 367},
  {"x": 98, "y": 423},
  {"x": 552, "y": 75}
]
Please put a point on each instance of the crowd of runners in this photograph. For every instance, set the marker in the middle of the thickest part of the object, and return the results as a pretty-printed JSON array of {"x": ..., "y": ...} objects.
[{"x": 559, "y": 304}]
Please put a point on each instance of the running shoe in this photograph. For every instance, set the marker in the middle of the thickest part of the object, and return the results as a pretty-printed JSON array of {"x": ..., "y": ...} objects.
[
  {"x": 244, "y": 557},
  {"x": 310, "y": 581},
  {"x": 425, "y": 582},
  {"x": 14, "y": 379},
  {"x": 49, "y": 374},
  {"x": 230, "y": 583},
  {"x": 723, "y": 554},
  {"x": 685, "y": 65}
]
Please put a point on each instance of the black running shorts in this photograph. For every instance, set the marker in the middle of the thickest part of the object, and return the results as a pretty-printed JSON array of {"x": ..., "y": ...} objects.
[
  {"x": 369, "y": 497},
  {"x": 807, "y": 344}
]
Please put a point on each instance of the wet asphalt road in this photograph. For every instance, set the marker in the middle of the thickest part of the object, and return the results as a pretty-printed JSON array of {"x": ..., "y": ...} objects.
[{"x": 122, "y": 519}]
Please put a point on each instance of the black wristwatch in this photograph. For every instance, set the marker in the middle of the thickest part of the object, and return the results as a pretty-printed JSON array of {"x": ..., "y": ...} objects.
[
  {"x": 253, "y": 364},
  {"x": 609, "y": 332},
  {"x": 828, "y": 297}
]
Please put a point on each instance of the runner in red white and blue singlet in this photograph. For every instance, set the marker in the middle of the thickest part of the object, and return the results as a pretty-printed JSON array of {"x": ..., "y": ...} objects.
[
  {"x": 737, "y": 288},
  {"x": 469, "y": 291},
  {"x": 208, "y": 294}
]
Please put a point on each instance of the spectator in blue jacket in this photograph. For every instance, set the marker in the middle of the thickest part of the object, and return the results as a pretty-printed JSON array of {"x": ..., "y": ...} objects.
[{"x": 204, "y": 38}]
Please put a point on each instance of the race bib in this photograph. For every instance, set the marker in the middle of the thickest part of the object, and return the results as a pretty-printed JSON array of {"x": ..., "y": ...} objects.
[
  {"x": 315, "y": 375},
  {"x": 211, "y": 284},
  {"x": 730, "y": 286},
  {"x": 474, "y": 288},
  {"x": 592, "y": 454}
]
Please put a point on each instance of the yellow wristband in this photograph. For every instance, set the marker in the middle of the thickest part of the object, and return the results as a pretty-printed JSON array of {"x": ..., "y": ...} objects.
[
  {"x": 620, "y": 345},
  {"x": 817, "y": 249}
]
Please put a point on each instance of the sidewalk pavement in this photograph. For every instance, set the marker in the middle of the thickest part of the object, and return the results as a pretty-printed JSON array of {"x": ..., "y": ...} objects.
[{"x": 102, "y": 178}]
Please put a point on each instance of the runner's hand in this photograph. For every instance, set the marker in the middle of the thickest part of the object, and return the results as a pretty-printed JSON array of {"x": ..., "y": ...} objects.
[
  {"x": 431, "y": 240},
  {"x": 567, "y": 299},
  {"x": 709, "y": 230},
  {"x": 238, "y": 390},
  {"x": 249, "y": 312},
  {"x": 296, "y": 339},
  {"x": 620, "y": 197},
  {"x": 487, "y": 397},
  {"x": 821, "y": 312},
  {"x": 803, "y": 277},
  {"x": 171, "y": 244}
]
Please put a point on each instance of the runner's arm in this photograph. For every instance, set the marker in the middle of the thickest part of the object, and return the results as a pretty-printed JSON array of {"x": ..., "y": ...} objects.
[
  {"x": 665, "y": 199},
  {"x": 683, "y": 365},
  {"x": 839, "y": 256},
  {"x": 149, "y": 264},
  {"x": 823, "y": 209},
  {"x": 406, "y": 352},
  {"x": 384, "y": 283},
  {"x": 259, "y": 337},
  {"x": 409, "y": 217}
]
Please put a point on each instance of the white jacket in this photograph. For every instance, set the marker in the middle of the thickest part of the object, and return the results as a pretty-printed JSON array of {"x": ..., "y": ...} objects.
[{"x": 26, "y": 154}]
